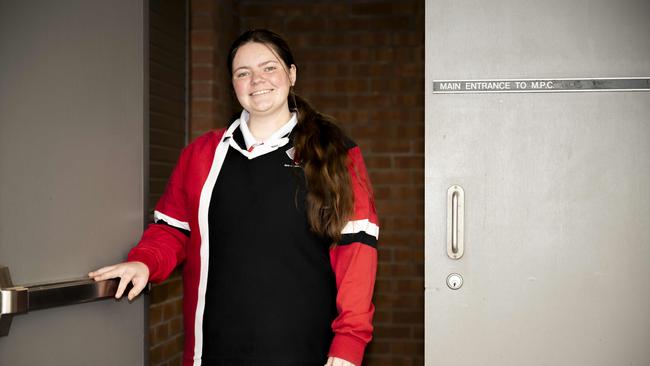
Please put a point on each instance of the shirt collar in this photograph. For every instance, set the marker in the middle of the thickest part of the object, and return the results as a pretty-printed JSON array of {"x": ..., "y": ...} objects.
[{"x": 250, "y": 140}]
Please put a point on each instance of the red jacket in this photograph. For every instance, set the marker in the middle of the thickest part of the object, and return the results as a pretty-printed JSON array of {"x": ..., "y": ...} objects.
[{"x": 184, "y": 208}]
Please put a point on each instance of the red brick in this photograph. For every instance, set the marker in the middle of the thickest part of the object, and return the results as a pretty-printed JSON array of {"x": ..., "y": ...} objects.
[
  {"x": 406, "y": 347},
  {"x": 203, "y": 39},
  {"x": 380, "y": 192},
  {"x": 408, "y": 317},
  {"x": 202, "y": 108},
  {"x": 409, "y": 162},
  {"x": 410, "y": 285},
  {"x": 176, "y": 361},
  {"x": 176, "y": 325},
  {"x": 368, "y": 101},
  {"x": 393, "y": 331},
  {"x": 158, "y": 293},
  {"x": 378, "y": 345},
  {"x": 170, "y": 349},
  {"x": 384, "y": 7},
  {"x": 306, "y": 24},
  {"x": 355, "y": 54},
  {"x": 202, "y": 90},
  {"x": 331, "y": 8},
  {"x": 202, "y": 6},
  {"x": 407, "y": 101},
  {"x": 373, "y": 69},
  {"x": 199, "y": 123},
  {"x": 155, "y": 315},
  {"x": 392, "y": 22},
  {"x": 400, "y": 207},
  {"x": 382, "y": 316},
  {"x": 168, "y": 311},
  {"x": 391, "y": 146},
  {"x": 411, "y": 192},
  {"x": 202, "y": 73},
  {"x": 378, "y": 162},
  {"x": 202, "y": 57},
  {"x": 156, "y": 355},
  {"x": 176, "y": 287},
  {"x": 202, "y": 21},
  {"x": 409, "y": 54},
  {"x": 388, "y": 269},
  {"x": 389, "y": 177},
  {"x": 408, "y": 38},
  {"x": 161, "y": 333},
  {"x": 351, "y": 86},
  {"x": 383, "y": 115}
]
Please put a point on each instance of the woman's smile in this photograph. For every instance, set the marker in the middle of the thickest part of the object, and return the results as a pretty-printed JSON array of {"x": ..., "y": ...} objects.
[{"x": 260, "y": 92}]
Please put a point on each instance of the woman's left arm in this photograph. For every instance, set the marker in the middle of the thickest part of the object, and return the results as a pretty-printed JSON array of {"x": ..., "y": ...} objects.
[{"x": 354, "y": 261}]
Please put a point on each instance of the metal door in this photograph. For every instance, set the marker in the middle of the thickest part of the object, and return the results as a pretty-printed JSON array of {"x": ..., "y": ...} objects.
[
  {"x": 556, "y": 186},
  {"x": 72, "y": 122}
]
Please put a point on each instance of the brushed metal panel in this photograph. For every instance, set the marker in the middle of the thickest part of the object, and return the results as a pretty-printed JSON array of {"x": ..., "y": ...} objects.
[
  {"x": 72, "y": 97},
  {"x": 558, "y": 225}
]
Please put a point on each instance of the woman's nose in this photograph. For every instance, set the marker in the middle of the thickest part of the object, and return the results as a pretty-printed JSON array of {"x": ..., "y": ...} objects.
[{"x": 256, "y": 78}]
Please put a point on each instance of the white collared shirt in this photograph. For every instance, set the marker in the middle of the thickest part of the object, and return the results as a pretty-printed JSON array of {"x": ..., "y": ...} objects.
[
  {"x": 277, "y": 135},
  {"x": 255, "y": 148}
]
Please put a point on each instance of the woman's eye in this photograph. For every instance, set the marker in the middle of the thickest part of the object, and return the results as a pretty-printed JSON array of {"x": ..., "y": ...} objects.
[
  {"x": 241, "y": 74},
  {"x": 269, "y": 68}
]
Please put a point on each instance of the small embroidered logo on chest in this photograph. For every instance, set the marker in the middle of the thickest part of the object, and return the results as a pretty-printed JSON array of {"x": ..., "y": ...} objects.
[{"x": 292, "y": 166}]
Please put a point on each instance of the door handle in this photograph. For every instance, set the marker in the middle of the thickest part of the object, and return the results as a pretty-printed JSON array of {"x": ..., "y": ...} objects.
[
  {"x": 15, "y": 300},
  {"x": 455, "y": 222}
]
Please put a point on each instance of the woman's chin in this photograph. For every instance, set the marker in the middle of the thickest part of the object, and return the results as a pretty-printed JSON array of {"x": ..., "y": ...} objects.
[{"x": 261, "y": 108}]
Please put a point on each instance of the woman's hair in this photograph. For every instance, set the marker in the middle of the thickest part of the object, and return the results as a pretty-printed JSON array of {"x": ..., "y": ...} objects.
[{"x": 319, "y": 147}]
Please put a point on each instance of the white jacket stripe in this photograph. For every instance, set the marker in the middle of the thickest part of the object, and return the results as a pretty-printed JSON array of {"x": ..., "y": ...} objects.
[
  {"x": 157, "y": 216},
  {"x": 356, "y": 226}
]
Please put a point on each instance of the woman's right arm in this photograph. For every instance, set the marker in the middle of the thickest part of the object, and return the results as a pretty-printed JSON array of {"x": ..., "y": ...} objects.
[
  {"x": 160, "y": 250},
  {"x": 162, "y": 246}
]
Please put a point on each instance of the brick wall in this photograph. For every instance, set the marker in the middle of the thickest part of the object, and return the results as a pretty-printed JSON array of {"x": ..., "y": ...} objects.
[
  {"x": 167, "y": 131},
  {"x": 363, "y": 63},
  {"x": 213, "y": 27}
]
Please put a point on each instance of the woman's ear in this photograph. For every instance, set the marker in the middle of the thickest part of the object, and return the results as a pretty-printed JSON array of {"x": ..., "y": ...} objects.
[{"x": 292, "y": 74}]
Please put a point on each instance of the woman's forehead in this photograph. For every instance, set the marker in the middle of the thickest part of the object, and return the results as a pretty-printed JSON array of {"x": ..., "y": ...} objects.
[{"x": 253, "y": 54}]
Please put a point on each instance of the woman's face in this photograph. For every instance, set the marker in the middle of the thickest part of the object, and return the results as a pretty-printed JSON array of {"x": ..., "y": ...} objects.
[{"x": 260, "y": 80}]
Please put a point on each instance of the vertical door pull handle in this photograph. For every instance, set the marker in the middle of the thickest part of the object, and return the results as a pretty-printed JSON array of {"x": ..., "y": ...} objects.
[{"x": 455, "y": 222}]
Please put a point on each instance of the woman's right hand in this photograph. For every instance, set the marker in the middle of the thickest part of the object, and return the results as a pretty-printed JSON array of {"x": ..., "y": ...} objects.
[{"x": 134, "y": 272}]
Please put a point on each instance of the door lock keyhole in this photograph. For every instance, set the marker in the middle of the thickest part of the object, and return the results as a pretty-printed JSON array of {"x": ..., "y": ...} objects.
[{"x": 454, "y": 281}]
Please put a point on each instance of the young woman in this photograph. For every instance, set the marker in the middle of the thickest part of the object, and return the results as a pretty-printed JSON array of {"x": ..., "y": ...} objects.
[{"x": 274, "y": 221}]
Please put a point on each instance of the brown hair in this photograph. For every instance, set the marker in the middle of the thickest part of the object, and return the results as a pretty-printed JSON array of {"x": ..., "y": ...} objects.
[{"x": 319, "y": 147}]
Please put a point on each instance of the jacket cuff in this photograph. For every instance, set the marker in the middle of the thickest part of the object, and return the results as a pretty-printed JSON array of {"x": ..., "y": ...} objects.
[{"x": 348, "y": 348}]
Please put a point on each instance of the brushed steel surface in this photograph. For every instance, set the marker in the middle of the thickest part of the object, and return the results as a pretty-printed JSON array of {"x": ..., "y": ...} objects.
[
  {"x": 558, "y": 224},
  {"x": 72, "y": 124}
]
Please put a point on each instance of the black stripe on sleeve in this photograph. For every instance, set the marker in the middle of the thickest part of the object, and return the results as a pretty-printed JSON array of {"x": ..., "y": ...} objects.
[
  {"x": 163, "y": 222},
  {"x": 360, "y": 237}
]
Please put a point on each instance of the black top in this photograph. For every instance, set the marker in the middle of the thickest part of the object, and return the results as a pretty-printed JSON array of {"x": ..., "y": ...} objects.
[{"x": 271, "y": 291}]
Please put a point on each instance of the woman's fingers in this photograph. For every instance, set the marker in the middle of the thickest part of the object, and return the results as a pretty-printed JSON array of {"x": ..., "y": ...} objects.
[
  {"x": 134, "y": 272},
  {"x": 138, "y": 286},
  {"x": 124, "y": 281},
  {"x": 101, "y": 271},
  {"x": 106, "y": 275}
]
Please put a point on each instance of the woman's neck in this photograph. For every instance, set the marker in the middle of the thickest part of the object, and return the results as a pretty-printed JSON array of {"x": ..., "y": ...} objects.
[{"x": 264, "y": 126}]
